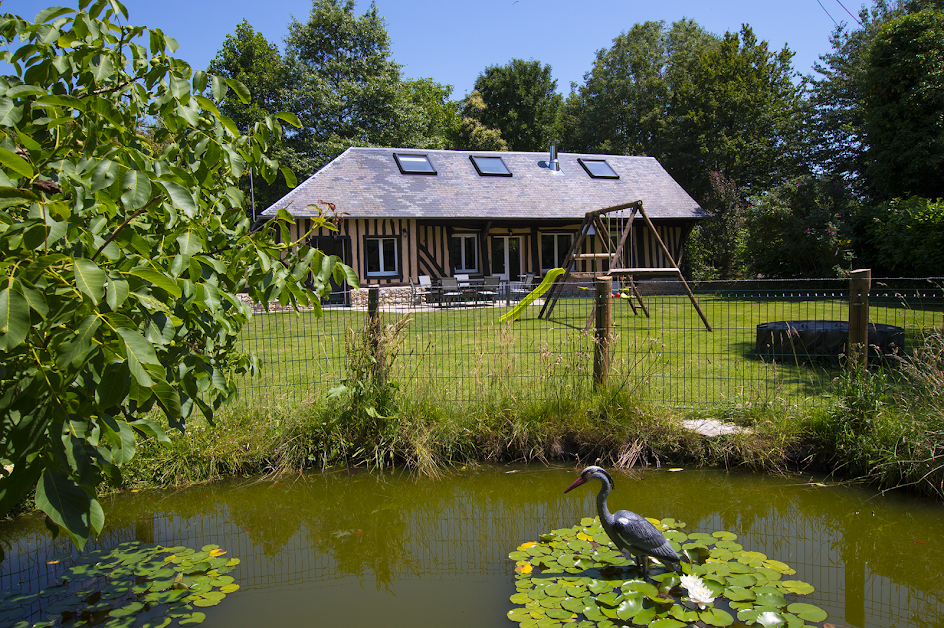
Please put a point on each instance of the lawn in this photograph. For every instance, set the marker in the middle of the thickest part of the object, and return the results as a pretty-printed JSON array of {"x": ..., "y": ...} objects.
[{"x": 465, "y": 354}]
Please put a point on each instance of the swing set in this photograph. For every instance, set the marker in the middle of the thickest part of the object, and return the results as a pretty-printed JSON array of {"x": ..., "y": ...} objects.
[{"x": 601, "y": 224}]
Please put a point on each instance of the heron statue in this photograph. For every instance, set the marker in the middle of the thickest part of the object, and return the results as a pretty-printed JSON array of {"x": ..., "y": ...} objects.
[{"x": 628, "y": 531}]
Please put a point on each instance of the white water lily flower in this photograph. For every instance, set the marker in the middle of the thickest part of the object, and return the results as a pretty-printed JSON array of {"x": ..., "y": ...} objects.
[{"x": 697, "y": 591}]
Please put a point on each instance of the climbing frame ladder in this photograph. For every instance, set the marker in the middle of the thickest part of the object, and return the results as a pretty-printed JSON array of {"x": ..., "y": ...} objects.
[{"x": 594, "y": 220}]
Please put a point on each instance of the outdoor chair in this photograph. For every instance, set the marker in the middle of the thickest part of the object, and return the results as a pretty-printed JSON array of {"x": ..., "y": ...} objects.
[
  {"x": 420, "y": 292},
  {"x": 490, "y": 288},
  {"x": 449, "y": 290},
  {"x": 524, "y": 288}
]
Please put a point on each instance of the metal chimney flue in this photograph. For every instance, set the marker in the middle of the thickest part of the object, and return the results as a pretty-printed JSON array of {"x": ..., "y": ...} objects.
[{"x": 553, "y": 163}]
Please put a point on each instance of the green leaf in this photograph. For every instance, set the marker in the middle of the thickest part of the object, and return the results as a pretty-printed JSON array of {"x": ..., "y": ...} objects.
[
  {"x": 180, "y": 197},
  {"x": 116, "y": 291},
  {"x": 137, "y": 188},
  {"x": 808, "y": 612},
  {"x": 241, "y": 90},
  {"x": 158, "y": 279},
  {"x": 14, "y": 319},
  {"x": 67, "y": 505},
  {"x": 76, "y": 351},
  {"x": 138, "y": 352},
  {"x": 289, "y": 117},
  {"x": 16, "y": 163},
  {"x": 89, "y": 278}
]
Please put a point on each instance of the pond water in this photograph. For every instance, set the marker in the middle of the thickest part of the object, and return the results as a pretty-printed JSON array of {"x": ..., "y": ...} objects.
[{"x": 342, "y": 549}]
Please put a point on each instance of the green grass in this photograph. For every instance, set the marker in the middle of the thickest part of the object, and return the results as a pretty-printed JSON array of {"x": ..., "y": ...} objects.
[{"x": 669, "y": 357}]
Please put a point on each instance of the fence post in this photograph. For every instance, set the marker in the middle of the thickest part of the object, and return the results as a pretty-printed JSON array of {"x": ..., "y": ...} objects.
[
  {"x": 603, "y": 333},
  {"x": 373, "y": 325},
  {"x": 860, "y": 281}
]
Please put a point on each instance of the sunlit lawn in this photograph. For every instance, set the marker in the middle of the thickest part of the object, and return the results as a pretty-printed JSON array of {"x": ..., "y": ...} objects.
[{"x": 465, "y": 353}]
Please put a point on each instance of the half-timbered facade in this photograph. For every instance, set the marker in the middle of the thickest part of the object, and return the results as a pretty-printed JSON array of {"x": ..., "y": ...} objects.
[{"x": 405, "y": 213}]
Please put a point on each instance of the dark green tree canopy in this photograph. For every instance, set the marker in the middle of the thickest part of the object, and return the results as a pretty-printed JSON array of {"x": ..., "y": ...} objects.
[
  {"x": 904, "y": 107},
  {"x": 735, "y": 112},
  {"x": 521, "y": 102}
]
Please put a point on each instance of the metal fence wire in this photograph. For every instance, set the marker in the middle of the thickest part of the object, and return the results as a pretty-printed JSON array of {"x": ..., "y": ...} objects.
[{"x": 772, "y": 341}]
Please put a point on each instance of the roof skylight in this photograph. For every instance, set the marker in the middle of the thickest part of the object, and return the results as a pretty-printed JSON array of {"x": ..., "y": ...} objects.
[
  {"x": 414, "y": 164},
  {"x": 490, "y": 166},
  {"x": 598, "y": 168}
]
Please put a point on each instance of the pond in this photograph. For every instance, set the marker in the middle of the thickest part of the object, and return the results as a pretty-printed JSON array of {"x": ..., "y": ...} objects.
[{"x": 355, "y": 549}]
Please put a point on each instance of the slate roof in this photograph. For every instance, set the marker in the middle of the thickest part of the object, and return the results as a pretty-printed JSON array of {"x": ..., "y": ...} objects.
[{"x": 366, "y": 183}]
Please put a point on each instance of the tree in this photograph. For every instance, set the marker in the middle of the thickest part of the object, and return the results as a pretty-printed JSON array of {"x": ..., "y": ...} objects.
[
  {"x": 715, "y": 249},
  {"x": 345, "y": 88},
  {"x": 249, "y": 58},
  {"x": 622, "y": 106},
  {"x": 521, "y": 102},
  {"x": 838, "y": 96},
  {"x": 798, "y": 229},
  {"x": 472, "y": 134},
  {"x": 904, "y": 107},
  {"x": 735, "y": 112},
  {"x": 119, "y": 265}
]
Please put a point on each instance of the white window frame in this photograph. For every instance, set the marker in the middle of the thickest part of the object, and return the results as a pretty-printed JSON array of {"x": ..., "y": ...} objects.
[
  {"x": 383, "y": 242},
  {"x": 466, "y": 240}
]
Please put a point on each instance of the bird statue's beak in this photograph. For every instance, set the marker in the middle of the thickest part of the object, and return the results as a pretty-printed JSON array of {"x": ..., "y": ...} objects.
[{"x": 576, "y": 483}]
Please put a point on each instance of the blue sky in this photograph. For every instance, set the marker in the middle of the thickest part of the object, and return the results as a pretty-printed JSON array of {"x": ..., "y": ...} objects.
[{"x": 452, "y": 42}]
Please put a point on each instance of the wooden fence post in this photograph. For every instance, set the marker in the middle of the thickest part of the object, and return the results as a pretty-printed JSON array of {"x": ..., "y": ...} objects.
[
  {"x": 603, "y": 333},
  {"x": 860, "y": 281}
]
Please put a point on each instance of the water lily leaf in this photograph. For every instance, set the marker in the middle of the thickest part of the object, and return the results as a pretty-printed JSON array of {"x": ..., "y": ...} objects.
[
  {"x": 602, "y": 539},
  {"x": 683, "y": 615},
  {"x": 557, "y": 613},
  {"x": 645, "y": 616},
  {"x": 128, "y": 609},
  {"x": 676, "y": 536},
  {"x": 719, "y": 553},
  {"x": 537, "y": 593},
  {"x": 519, "y": 614},
  {"x": 121, "y": 622},
  {"x": 192, "y": 620},
  {"x": 770, "y": 599},
  {"x": 613, "y": 598},
  {"x": 716, "y": 617},
  {"x": 564, "y": 533},
  {"x": 566, "y": 560},
  {"x": 516, "y": 556},
  {"x": 754, "y": 559},
  {"x": 730, "y": 545},
  {"x": 723, "y": 535},
  {"x": 666, "y": 622},
  {"x": 776, "y": 565},
  {"x": 157, "y": 622},
  {"x": 702, "y": 537},
  {"x": 796, "y": 586},
  {"x": 204, "y": 602},
  {"x": 599, "y": 586},
  {"x": 739, "y": 594},
  {"x": 808, "y": 612},
  {"x": 629, "y": 607},
  {"x": 638, "y": 586}
]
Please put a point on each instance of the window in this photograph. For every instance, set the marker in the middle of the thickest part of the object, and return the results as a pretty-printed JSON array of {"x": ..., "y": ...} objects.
[
  {"x": 598, "y": 168},
  {"x": 554, "y": 248},
  {"x": 414, "y": 164},
  {"x": 381, "y": 256},
  {"x": 463, "y": 252},
  {"x": 490, "y": 166}
]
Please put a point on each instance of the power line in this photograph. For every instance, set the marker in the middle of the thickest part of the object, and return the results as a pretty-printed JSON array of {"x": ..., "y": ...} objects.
[
  {"x": 827, "y": 13},
  {"x": 849, "y": 12}
]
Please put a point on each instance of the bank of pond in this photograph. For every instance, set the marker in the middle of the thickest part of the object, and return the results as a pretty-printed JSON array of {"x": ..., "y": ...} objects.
[{"x": 484, "y": 544}]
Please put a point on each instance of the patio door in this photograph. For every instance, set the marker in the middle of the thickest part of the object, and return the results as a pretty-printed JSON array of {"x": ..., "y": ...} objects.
[{"x": 506, "y": 257}]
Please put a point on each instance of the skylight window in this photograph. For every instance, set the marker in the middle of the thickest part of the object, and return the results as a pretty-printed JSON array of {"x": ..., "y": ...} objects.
[
  {"x": 414, "y": 164},
  {"x": 598, "y": 168},
  {"x": 490, "y": 166}
]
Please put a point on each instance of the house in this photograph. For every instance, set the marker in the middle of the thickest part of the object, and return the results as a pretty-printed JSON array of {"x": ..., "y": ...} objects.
[{"x": 408, "y": 212}]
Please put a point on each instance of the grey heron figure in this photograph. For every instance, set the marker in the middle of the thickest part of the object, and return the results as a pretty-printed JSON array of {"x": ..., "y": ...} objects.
[{"x": 628, "y": 531}]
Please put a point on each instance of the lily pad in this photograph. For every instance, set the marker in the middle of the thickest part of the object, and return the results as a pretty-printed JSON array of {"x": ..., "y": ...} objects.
[{"x": 808, "y": 612}]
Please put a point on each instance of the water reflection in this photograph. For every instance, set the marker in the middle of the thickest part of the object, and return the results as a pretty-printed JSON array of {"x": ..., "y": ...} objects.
[{"x": 351, "y": 549}]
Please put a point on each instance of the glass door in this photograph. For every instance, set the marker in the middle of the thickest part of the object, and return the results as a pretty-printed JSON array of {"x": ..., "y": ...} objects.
[{"x": 506, "y": 257}]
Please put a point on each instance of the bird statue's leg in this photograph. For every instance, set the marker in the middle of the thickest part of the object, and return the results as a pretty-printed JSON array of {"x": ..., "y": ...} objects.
[{"x": 643, "y": 564}]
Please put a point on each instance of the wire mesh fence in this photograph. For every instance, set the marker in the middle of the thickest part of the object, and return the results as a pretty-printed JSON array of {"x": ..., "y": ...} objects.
[{"x": 771, "y": 341}]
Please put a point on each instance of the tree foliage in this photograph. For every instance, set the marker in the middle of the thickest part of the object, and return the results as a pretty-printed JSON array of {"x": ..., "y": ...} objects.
[
  {"x": 736, "y": 112},
  {"x": 347, "y": 91},
  {"x": 120, "y": 265},
  {"x": 623, "y": 105},
  {"x": 797, "y": 229},
  {"x": 521, "y": 102},
  {"x": 472, "y": 133},
  {"x": 904, "y": 107},
  {"x": 249, "y": 58}
]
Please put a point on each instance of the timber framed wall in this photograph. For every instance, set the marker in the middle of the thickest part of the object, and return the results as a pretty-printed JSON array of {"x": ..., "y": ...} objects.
[{"x": 423, "y": 247}]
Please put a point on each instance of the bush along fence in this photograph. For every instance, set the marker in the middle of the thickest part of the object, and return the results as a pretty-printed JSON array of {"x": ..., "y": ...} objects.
[{"x": 768, "y": 342}]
